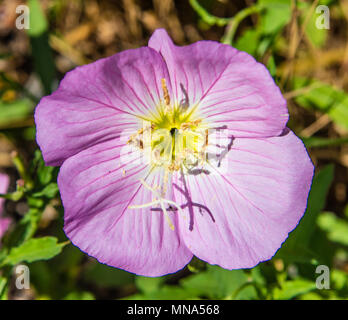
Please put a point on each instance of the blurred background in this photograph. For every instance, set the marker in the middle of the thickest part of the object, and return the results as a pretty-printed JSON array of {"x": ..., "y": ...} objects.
[{"x": 308, "y": 58}]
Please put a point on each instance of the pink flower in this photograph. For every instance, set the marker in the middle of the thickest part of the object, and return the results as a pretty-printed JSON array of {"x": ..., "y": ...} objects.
[
  {"x": 213, "y": 172},
  {"x": 4, "y": 222}
]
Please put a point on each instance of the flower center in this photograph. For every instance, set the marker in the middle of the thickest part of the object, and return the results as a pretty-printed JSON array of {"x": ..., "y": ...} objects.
[{"x": 175, "y": 138}]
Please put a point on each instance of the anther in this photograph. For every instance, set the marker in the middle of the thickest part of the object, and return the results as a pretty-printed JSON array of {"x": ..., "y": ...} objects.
[
  {"x": 188, "y": 125},
  {"x": 165, "y": 93},
  {"x": 133, "y": 139}
]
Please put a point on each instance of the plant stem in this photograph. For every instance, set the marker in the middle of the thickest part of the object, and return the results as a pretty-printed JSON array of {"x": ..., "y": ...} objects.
[
  {"x": 236, "y": 20},
  {"x": 207, "y": 17},
  {"x": 18, "y": 162},
  {"x": 15, "y": 196}
]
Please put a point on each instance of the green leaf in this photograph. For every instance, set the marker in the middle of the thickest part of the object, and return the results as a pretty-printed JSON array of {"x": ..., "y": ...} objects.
[
  {"x": 25, "y": 229},
  {"x": 248, "y": 41},
  {"x": 38, "y": 23},
  {"x": 35, "y": 203},
  {"x": 148, "y": 285},
  {"x": 49, "y": 191},
  {"x": 84, "y": 295},
  {"x": 228, "y": 281},
  {"x": 276, "y": 16},
  {"x": 3, "y": 286},
  {"x": 33, "y": 250},
  {"x": 219, "y": 283},
  {"x": 44, "y": 174},
  {"x": 316, "y": 202},
  {"x": 29, "y": 133},
  {"x": 336, "y": 228},
  {"x": 41, "y": 51},
  {"x": 291, "y": 289},
  {"x": 260, "y": 281},
  {"x": 325, "y": 98},
  {"x": 315, "y": 35},
  {"x": 69, "y": 260},
  {"x": 339, "y": 279},
  {"x": 105, "y": 276},
  {"x": 12, "y": 112},
  {"x": 311, "y": 296},
  {"x": 168, "y": 292},
  {"x": 296, "y": 246},
  {"x": 257, "y": 275},
  {"x": 201, "y": 284},
  {"x": 271, "y": 66}
]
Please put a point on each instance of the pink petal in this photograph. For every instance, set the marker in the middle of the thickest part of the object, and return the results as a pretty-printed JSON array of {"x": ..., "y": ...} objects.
[
  {"x": 97, "y": 187},
  {"x": 4, "y": 222},
  {"x": 229, "y": 86},
  {"x": 95, "y": 102},
  {"x": 242, "y": 216},
  {"x": 4, "y": 183}
]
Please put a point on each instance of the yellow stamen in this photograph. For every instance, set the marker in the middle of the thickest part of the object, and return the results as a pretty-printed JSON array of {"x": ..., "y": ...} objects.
[
  {"x": 134, "y": 138},
  {"x": 188, "y": 125},
  {"x": 166, "y": 95},
  {"x": 171, "y": 133}
]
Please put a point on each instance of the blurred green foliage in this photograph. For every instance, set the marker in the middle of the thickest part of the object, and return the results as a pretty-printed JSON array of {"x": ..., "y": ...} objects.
[{"x": 41, "y": 51}]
